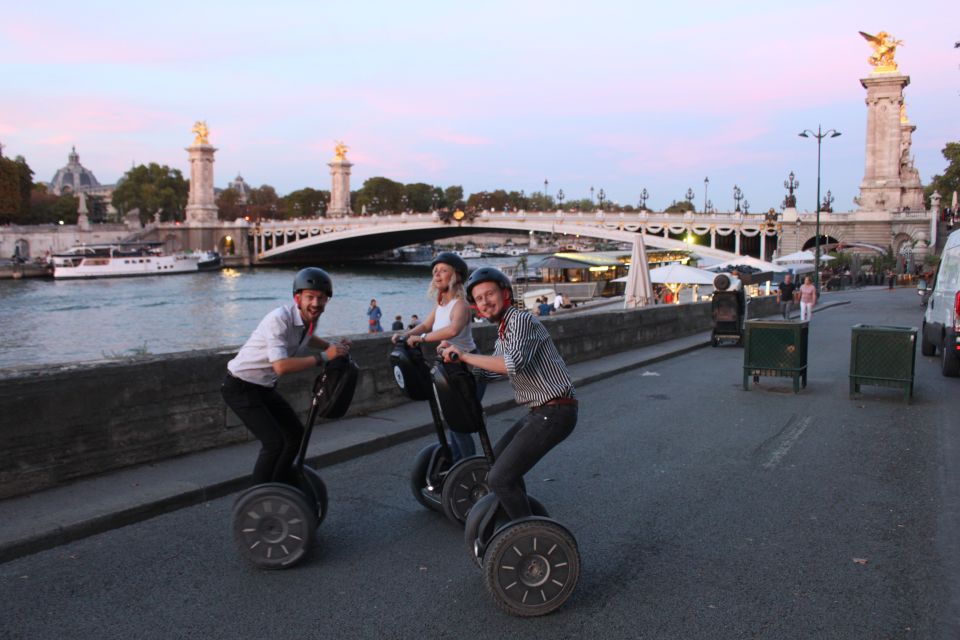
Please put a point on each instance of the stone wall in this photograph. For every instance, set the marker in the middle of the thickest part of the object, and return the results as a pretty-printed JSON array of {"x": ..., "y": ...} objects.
[{"x": 63, "y": 423}]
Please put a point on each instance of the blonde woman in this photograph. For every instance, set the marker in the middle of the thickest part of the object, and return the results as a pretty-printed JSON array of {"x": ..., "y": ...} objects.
[
  {"x": 808, "y": 298},
  {"x": 450, "y": 321}
]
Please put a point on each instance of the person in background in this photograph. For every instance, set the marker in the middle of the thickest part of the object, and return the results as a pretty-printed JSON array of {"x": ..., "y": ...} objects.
[
  {"x": 414, "y": 321},
  {"x": 808, "y": 298},
  {"x": 787, "y": 288},
  {"x": 544, "y": 308},
  {"x": 397, "y": 324},
  {"x": 373, "y": 318}
]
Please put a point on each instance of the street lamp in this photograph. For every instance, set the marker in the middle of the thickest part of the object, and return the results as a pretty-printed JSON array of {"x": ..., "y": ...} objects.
[
  {"x": 819, "y": 135},
  {"x": 546, "y": 183},
  {"x": 828, "y": 202},
  {"x": 433, "y": 201},
  {"x": 746, "y": 206},
  {"x": 737, "y": 197},
  {"x": 601, "y": 197},
  {"x": 560, "y": 198},
  {"x": 591, "y": 195},
  {"x": 643, "y": 199},
  {"x": 689, "y": 195},
  {"x": 706, "y": 183}
]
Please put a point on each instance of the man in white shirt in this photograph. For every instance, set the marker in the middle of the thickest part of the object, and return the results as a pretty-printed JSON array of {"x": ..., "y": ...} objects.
[{"x": 277, "y": 347}]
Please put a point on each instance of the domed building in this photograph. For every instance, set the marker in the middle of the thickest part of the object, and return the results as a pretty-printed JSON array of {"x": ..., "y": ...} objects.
[
  {"x": 241, "y": 187},
  {"x": 74, "y": 177}
]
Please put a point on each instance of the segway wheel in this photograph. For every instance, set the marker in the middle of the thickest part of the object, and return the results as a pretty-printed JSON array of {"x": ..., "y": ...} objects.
[
  {"x": 273, "y": 525},
  {"x": 531, "y": 567},
  {"x": 464, "y": 485},
  {"x": 478, "y": 528},
  {"x": 426, "y": 477},
  {"x": 319, "y": 490}
]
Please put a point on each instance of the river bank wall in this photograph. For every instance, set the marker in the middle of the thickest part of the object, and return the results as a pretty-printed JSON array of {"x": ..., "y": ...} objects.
[{"x": 60, "y": 423}]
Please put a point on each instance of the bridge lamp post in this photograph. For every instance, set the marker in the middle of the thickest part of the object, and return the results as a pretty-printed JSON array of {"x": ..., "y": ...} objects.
[
  {"x": 433, "y": 201},
  {"x": 819, "y": 135},
  {"x": 546, "y": 183},
  {"x": 737, "y": 197},
  {"x": 709, "y": 206},
  {"x": 643, "y": 199},
  {"x": 746, "y": 206},
  {"x": 689, "y": 196},
  {"x": 560, "y": 198},
  {"x": 706, "y": 183},
  {"x": 591, "y": 195},
  {"x": 601, "y": 197}
]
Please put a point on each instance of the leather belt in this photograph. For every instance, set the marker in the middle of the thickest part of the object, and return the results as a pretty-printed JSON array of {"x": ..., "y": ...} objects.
[{"x": 572, "y": 401}]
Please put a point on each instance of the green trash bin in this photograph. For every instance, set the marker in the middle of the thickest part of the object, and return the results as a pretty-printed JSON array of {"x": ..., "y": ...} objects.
[
  {"x": 882, "y": 356},
  {"x": 775, "y": 348}
]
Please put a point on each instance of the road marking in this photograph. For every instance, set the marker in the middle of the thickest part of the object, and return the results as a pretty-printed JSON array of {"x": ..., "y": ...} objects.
[{"x": 790, "y": 436}]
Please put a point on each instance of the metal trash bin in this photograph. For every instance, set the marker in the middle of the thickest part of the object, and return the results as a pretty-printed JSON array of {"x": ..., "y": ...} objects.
[
  {"x": 882, "y": 356},
  {"x": 775, "y": 348}
]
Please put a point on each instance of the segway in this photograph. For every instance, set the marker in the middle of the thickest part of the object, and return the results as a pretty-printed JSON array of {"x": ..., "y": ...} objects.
[
  {"x": 530, "y": 565},
  {"x": 436, "y": 483},
  {"x": 274, "y": 523}
]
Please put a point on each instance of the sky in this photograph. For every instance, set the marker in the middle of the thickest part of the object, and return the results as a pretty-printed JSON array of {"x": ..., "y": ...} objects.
[{"x": 619, "y": 96}]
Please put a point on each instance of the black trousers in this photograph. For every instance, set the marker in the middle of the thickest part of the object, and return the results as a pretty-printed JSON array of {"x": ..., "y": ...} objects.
[
  {"x": 521, "y": 448},
  {"x": 268, "y": 416}
]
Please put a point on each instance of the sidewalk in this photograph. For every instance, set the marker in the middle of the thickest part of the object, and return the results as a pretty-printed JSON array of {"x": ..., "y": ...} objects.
[{"x": 32, "y": 523}]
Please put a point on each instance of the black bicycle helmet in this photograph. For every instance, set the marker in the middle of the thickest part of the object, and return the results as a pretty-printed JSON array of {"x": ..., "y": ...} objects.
[
  {"x": 487, "y": 274},
  {"x": 455, "y": 261},
  {"x": 313, "y": 278}
]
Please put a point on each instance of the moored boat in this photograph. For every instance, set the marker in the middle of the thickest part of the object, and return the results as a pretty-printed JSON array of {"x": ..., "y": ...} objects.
[{"x": 120, "y": 260}]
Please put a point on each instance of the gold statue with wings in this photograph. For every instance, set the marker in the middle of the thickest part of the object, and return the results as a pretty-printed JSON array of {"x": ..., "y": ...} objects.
[
  {"x": 884, "y": 48},
  {"x": 340, "y": 151},
  {"x": 200, "y": 128}
]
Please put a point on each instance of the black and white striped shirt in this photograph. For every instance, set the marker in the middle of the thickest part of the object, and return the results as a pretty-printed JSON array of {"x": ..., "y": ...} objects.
[{"x": 536, "y": 370}]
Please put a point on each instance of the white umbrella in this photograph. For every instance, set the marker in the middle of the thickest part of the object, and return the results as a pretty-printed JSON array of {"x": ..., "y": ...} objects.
[
  {"x": 638, "y": 292},
  {"x": 803, "y": 256},
  {"x": 749, "y": 261},
  {"x": 681, "y": 274}
]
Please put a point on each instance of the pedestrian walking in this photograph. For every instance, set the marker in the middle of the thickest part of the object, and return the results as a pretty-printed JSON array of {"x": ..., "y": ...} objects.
[
  {"x": 280, "y": 345},
  {"x": 373, "y": 318},
  {"x": 787, "y": 290},
  {"x": 808, "y": 298}
]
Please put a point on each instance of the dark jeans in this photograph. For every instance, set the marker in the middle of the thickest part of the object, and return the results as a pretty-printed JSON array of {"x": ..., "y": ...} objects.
[
  {"x": 268, "y": 416},
  {"x": 521, "y": 448}
]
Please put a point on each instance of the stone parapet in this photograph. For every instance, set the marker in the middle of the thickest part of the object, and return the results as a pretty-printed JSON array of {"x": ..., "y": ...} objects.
[{"x": 63, "y": 423}]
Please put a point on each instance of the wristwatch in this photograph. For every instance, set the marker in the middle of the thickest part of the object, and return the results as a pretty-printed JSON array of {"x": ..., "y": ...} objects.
[{"x": 423, "y": 337}]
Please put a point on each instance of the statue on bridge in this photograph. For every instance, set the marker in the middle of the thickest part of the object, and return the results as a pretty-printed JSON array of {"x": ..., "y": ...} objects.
[
  {"x": 340, "y": 150},
  {"x": 200, "y": 128},
  {"x": 884, "y": 49}
]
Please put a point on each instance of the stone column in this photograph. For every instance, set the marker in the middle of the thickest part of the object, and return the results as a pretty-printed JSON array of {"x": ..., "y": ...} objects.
[
  {"x": 339, "y": 187},
  {"x": 201, "y": 204},
  {"x": 880, "y": 189}
]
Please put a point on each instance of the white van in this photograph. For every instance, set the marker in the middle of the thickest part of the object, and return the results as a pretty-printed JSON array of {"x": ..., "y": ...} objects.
[{"x": 941, "y": 320}]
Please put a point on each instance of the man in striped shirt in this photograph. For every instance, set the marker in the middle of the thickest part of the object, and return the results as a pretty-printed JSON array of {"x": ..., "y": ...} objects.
[{"x": 526, "y": 354}]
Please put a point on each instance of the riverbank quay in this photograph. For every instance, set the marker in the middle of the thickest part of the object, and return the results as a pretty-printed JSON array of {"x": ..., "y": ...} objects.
[{"x": 132, "y": 455}]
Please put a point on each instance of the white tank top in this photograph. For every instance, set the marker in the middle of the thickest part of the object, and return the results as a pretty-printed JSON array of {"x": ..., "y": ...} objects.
[{"x": 441, "y": 319}]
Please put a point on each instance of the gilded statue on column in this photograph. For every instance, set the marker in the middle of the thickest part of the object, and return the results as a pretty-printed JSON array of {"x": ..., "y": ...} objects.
[
  {"x": 884, "y": 49},
  {"x": 200, "y": 128},
  {"x": 340, "y": 151}
]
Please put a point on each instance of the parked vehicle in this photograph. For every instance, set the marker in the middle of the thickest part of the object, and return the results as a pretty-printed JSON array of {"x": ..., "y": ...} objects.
[{"x": 941, "y": 318}]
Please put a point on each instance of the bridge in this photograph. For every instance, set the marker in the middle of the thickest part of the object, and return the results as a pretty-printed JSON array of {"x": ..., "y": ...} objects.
[{"x": 716, "y": 235}]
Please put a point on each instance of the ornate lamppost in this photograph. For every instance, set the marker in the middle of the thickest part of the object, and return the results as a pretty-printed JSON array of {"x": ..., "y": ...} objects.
[
  {"x": 737, "y": 197},
  {"x": 560, "y": 198},
  {"x": 546, "y": 183},
  {"x": 689, "y": 195},
  {"x": 746, "y": 206},
  {"x": 706, "y": 183},
  {"x": 827, "y": 205},
  {"x": 434, "y": 199},
  {"x": 643, "y": 199},
  {"x": 819, "y": 135},
  {"x": 790, "y": 185},
  {"x": 601, "y": 197}
]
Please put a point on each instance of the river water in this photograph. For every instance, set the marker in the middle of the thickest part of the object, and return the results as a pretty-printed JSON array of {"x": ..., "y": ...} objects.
[{"x": 65, "y": 321}]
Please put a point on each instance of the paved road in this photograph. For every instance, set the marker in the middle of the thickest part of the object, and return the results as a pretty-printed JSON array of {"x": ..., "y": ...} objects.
[{"x": 702, "y": 511}]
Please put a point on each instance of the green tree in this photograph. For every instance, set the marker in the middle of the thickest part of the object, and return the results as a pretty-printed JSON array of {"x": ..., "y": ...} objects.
[
  {"x": 16, "y": 183},
  {"x": 948, "y": 182},
  {"x": 228, "y": 205},
  {"x": 305, "y": 203},
  {"x": 681, "y": 207},
  {"x": 419, "y": 196},
  {"x": 380, "y": 195},
  {"x": 264, "y": 202},
  {"x": 153, "y": 189},
  {"x": 452, "y": 196},
  {"x": 47, "y": 208}
]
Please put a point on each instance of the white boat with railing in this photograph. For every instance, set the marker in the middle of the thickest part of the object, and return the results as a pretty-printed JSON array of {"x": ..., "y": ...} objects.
[{"x": 120, "y": 260}]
